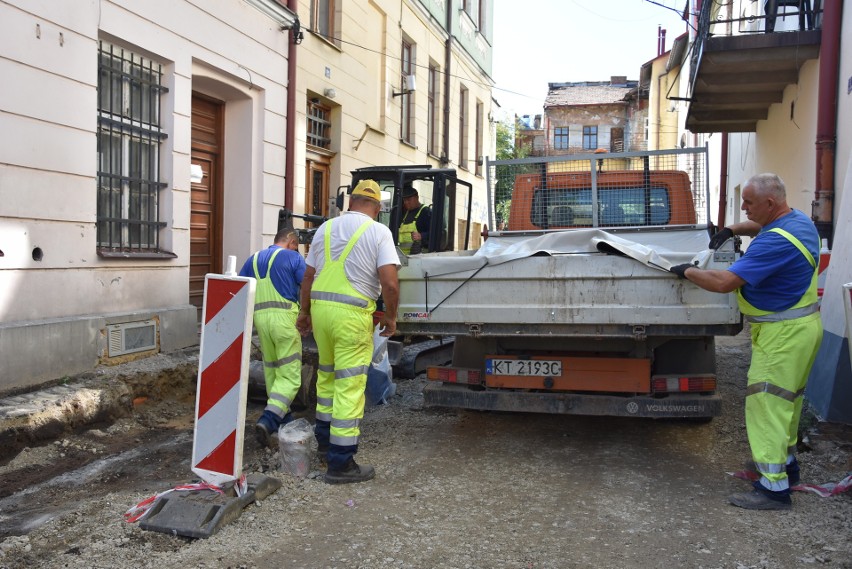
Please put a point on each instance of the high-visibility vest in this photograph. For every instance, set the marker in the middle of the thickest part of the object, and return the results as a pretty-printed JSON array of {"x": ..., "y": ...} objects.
[
  {"x": 266, "y": 296},
  {"x": 405, "y": 231},
  {"x": 806, "y": 305},
  {"x": 331, "y": 285}
]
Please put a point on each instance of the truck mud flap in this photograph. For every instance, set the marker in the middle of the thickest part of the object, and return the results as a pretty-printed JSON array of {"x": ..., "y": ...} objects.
[{"x": 674, "y": 406}]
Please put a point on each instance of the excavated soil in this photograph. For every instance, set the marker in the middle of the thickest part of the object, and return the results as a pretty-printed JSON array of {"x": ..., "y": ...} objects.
[{"x": 455, "y": 489}]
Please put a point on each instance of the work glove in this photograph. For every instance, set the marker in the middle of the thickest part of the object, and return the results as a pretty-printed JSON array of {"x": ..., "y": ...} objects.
[
  {"x": 680, "y": 270},
  {"x": 720, "y": 237}
]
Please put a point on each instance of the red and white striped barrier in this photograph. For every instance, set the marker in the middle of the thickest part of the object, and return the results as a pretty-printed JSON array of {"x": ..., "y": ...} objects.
[
  {"x": 824, "y": 260},
  {"x": 220, "y": 403}
]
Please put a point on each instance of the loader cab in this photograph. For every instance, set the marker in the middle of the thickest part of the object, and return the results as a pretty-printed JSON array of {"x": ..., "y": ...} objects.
[{"x": 439, "y": 189}]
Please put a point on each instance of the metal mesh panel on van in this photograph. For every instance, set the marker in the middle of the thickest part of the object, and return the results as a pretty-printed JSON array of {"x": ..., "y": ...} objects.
[{"x": 610, "y": 190}]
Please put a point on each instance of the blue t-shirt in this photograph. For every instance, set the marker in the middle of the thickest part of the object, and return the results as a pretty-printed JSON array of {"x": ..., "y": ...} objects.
[
  {"x": 287, "y": 270},
  {"x": 776, "y": 273}
]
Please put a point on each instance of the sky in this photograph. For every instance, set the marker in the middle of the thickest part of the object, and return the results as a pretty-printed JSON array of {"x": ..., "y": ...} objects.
[{"x": 537, "y": 42}]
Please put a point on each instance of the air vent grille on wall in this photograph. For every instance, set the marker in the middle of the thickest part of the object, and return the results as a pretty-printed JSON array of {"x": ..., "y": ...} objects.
[{"x": 131, "y": 337}]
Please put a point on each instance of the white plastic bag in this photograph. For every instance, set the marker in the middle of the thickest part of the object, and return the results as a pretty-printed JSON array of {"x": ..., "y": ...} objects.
[
  {"x": 294, "y": 443},
  {"x": 380, "y": 385}
]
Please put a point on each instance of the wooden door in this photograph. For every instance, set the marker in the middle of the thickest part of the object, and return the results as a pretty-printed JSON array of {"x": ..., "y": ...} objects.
[
  {"x": 316, "y": 198},
  {"x": 205, "y": 224}
]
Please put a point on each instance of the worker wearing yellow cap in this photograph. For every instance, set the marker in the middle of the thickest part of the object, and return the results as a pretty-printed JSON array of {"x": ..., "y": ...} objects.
[{"x": 351, "y": 261}]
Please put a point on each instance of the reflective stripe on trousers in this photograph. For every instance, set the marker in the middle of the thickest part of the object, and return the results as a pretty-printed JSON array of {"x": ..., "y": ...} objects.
[
  {"x": 273, "y": 304},
  {"x": 790, "y": 314},
  {"x": 340, "y": 298}
]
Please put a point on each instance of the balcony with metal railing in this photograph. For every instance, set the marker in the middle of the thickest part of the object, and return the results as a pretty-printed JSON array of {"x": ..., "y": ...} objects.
[{"x": 745, "y": 53}]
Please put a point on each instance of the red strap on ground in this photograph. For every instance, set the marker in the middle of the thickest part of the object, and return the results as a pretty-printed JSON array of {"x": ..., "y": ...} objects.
[
  {"x": 825, "y": 490},
  {"x": 137, "y": 512}
]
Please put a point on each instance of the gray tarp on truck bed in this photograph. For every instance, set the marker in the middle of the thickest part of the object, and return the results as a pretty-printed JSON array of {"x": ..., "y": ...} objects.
[
  {"x": 658, "y": 249},
  {"x": 561, "y": 284}
]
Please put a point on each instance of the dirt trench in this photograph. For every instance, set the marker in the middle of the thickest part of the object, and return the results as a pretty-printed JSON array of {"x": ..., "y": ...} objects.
[{"x": 453, "y": 489}]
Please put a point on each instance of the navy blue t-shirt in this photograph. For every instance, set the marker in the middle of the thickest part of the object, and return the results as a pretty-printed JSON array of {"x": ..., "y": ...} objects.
[{"x": 776, "y": 273}]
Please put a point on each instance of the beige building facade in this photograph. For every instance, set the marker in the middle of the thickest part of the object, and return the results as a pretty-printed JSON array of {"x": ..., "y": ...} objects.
[
  {"x": 137, "y": 152},
  {"x": 384, "y": 83},
  {"x": 154, "y": 140}
]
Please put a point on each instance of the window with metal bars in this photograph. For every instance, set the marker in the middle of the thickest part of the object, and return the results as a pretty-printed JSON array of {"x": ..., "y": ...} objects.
[
  {"x": 129, "y": 139},
  {"x": 319, "y": 125}
]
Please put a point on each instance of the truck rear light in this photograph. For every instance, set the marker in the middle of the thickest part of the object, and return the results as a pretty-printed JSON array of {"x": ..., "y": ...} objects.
[
  {"x": 454, "y": 374},
  {"x": 682, "y": 384}
]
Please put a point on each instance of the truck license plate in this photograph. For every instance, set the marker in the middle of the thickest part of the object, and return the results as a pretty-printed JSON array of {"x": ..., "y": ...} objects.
[{"x": 541, "y": 368}]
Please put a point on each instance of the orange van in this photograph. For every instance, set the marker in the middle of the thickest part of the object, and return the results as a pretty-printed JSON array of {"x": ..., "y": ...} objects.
[{"x": 625, "y": 198}]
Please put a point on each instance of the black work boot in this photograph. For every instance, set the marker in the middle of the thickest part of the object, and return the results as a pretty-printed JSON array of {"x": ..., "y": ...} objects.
[
  {"x": 322, "y": 453},
  {"x": 762, "y": 500},
  {"x": 352, "y": 472},
  {"x": 266, "y": 425},
  {"x": 756, "y": 500}
]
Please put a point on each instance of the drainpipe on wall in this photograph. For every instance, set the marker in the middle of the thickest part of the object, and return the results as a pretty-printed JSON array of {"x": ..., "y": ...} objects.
[
  {"x": 448, "y": 59},
  {"x": 826, "y": 140},
  {"x": 290, "y": 157},
  {"x": 695, "y": 18},
  {"x": 723, "y": 183},
  {"x": 660, "y": 109}
]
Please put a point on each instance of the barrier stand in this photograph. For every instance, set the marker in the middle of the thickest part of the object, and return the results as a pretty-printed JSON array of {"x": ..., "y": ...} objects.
[
  {"x": 847, "y": 302},
  {"x": 200, "y": 510}
]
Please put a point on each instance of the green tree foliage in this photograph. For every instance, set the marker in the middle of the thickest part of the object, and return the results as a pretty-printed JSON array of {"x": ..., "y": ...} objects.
[
  {"x": 505, "y": 141},
  {"x": 505, "y": 174}
]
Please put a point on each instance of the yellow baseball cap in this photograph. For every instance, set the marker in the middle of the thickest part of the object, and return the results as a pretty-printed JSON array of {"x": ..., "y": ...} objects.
[{"x": 368, "y": 189}]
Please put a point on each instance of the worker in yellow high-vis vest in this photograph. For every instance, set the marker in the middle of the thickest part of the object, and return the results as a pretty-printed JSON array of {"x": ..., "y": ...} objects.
[
  {"x": 776, "y": 286},
  {"x": 351, "y": 261},
  {"x": 415, "y": 223},
  {"x": 279, "y": 270}
]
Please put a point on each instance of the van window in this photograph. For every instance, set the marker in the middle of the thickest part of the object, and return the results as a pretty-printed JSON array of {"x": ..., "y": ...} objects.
[{"x": 572, "y": 207}]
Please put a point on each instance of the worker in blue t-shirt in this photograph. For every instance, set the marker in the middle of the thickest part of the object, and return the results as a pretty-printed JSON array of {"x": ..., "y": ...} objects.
[
  {"x": 776, "y": 286},
  {"x": 279, "y": 270}
]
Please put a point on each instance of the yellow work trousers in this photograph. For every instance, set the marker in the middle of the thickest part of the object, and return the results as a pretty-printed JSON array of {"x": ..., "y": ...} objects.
[
  {"x": 281, "y": 346},
  {"x": 782, "y": 355},
  {"x": 344, "y": 337}
]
